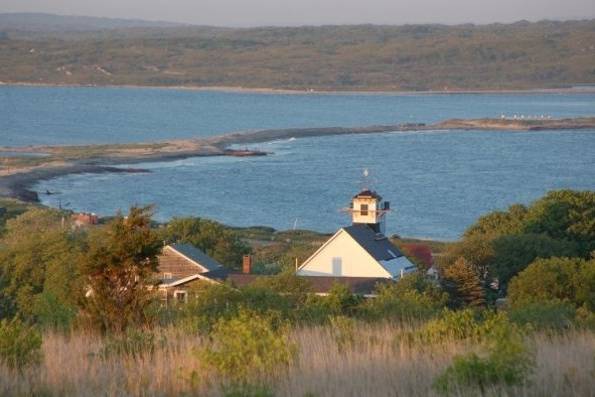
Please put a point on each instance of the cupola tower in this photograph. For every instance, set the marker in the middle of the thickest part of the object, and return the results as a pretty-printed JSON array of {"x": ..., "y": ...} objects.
[{"x": 368, "y": 208}]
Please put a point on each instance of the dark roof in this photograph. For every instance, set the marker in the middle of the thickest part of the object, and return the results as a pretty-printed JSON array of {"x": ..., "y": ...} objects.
[
  {"x": 377, "y": 244},
  {"x": 319, "y": 284},
  {"x": 220, "y": 274},
  {"x": 196, "y": 255},
  {"x": 368, "y": 193}
]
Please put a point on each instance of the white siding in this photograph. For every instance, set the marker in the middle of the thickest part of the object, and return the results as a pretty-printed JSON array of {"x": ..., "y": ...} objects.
[
  {"x": 372, "y": 215},
  {"x": 342, "y": 256}
]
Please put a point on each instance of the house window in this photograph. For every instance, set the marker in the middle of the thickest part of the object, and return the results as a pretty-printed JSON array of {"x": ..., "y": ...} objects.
[
  {"x": 181, "y": 296},
  {"x": 168, "y": 276},
  {"x": 363, "y": 209}
]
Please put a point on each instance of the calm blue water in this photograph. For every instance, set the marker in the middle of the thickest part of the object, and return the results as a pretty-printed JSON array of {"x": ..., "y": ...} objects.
[
  {"x": 438, "y": 182},
  {"x": 47, "y": 115}
]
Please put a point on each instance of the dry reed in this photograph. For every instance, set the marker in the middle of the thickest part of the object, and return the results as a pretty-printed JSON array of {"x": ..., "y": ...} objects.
[{"x": 376, "y": 363}]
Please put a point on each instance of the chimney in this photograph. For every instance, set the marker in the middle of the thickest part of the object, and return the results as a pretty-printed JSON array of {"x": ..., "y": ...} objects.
[{"x": 247, "y": 264}]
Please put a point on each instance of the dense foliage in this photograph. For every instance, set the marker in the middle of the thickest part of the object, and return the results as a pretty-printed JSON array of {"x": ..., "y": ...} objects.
[
  {"x": 570, "y": 280},
  {"x": 118, "y": 265},
  {"x": 38, "y": 265},
  {"x": 411, "y": 57},
  {"x": 20, "y": 345},
  {"x": 217, "y": 241},
  {"x": 503, "y": 243}
]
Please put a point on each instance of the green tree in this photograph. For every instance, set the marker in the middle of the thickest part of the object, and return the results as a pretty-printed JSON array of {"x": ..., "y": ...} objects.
[
  {"x": 213, "y": 238},
  {"x": 513, "y": 253},
  {"x": 463, "y": 285},
  {"x": 565, "y": 215},
  {"x": 477, "y": 250},
  {"x": 119, "y": 266},
  {"x": 569, "y": 280},
  {"x": 499, "y": 223},
  {"x": 38, "y": 253}
]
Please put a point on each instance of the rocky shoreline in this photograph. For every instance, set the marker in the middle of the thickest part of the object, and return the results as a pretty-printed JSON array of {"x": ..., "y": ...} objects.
[{"x": 16, "y": 181}]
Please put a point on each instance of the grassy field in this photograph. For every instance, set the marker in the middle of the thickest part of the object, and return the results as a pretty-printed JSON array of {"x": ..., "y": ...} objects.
[
  {"x": 378, "y": 363},
  {"x": 522, "y": 55}
]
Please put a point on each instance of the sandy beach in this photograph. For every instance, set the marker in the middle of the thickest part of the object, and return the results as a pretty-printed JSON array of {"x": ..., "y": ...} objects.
[{"x": 589, "y": 89}]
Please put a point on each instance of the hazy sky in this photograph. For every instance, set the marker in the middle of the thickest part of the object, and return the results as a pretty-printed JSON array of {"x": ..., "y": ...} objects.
[{"x": 313, "y": 12}]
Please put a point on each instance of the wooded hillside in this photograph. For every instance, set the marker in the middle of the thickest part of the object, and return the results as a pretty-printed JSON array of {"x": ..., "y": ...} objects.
[{"x": 365, "y": 57}]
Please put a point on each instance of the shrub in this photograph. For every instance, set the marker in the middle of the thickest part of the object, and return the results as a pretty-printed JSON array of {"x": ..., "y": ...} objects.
[
  {"x": 343, "y": 331},
  {"x": 20, "y": 345},
  {"x": 549, "y": 315},
  {"x": 570, "y": 280},
  {"x": 50, "y": 312},
  {"x": 585, "y": 318},
  {"x": 451, "y": 325},
  {"x": 248, "y": 347},
  {"x": 508, "y": 361},
  {"x": 340, "y": 300},
  {"x": 210, "y": 303},
  {"x": 412, "y": 298}
]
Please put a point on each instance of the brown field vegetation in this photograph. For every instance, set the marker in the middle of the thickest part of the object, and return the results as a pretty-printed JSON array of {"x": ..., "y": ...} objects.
[{"x": 378, "y": 363}]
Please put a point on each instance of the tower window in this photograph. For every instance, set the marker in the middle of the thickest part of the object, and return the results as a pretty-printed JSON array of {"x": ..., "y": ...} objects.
[{"x": 363, "y": 209}]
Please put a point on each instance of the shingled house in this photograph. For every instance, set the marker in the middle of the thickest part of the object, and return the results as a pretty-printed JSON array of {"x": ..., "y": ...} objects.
[{"x": 181, "y": 266}]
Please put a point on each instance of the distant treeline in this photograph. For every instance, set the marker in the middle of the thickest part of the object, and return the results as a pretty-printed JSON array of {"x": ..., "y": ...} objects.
[{"x": 522, "y": 55}]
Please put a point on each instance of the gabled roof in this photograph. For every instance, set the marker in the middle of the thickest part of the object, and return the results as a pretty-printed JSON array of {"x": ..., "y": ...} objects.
[
  {"x": 377, "y": 245},
  {"x": 195, "y": 255}
]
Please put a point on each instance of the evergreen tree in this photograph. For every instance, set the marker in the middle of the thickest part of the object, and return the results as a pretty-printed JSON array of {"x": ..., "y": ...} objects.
[
  {"x": 463, "y": 285},
  {"x": 119, "y": 264}
]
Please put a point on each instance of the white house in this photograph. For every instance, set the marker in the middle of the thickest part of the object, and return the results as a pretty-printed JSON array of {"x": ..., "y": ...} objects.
[{"x": 362, "y": 249}]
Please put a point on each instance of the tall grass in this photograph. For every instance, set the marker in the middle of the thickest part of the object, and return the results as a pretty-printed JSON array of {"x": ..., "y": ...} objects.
[{"x": 378, "y": 362}]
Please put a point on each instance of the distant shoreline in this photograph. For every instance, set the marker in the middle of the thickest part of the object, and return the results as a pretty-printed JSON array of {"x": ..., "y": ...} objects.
[
  {"x": 281, "y": 91},
  {"x": 20, "y": 173}
]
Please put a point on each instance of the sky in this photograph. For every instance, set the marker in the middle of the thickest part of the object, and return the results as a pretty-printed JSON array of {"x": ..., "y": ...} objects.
[{"x": 314, "y": 12}]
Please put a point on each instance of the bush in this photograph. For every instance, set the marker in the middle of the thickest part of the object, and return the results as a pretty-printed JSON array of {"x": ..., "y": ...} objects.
[
  {"x": 570, "y": 280},
  {"x": 451, "y": 325},
  {"x": 549, "y": 315},
  {"x": 51, "y": 313},
  {"x": 210, "y": 303},
  {"x": 20, "y": 345},
  {"x": 247, "y": 347},
  {"x": 343, "y": 331},
  {"x": 508, "y": 361},
  {"x": 412, "y": 298}
]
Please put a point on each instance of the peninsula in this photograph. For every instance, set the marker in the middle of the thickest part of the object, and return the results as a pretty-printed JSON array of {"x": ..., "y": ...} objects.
[{"x": 22, "y": 167}]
